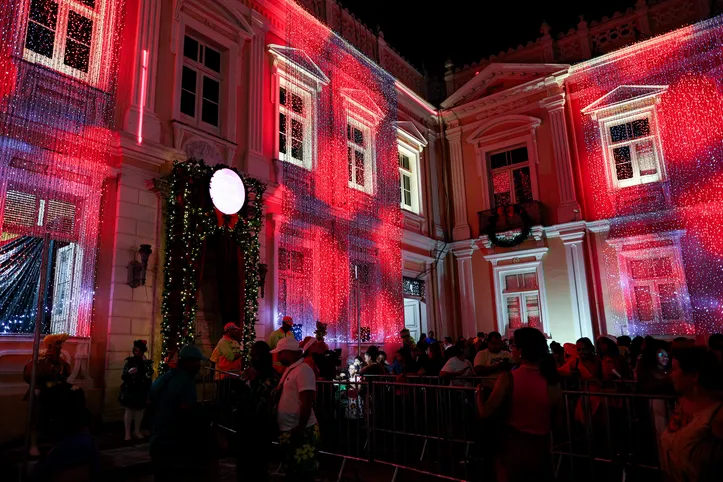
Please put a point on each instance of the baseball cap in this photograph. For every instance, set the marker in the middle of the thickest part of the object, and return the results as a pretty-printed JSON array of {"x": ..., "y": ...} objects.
[
  {"x": 287, "y": 344},
  {"x": 288, "y": 320},
  {"x": 309, "y": 344},
  {"x": 191, "y": 352},
  {"x": 230, "y": 326}
]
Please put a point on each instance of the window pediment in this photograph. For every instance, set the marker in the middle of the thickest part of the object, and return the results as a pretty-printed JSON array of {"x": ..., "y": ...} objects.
[
  {"x": 625, "y": 97},
  {"x": 409, "y": 132},
  {"x": 362, "y": 105},
  {"x": 494, "y": 129},
  {"x": 299, "y": 60}
]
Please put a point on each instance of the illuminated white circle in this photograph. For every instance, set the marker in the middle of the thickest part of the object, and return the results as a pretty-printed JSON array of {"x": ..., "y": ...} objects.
[{"x": 227, "y": 191}]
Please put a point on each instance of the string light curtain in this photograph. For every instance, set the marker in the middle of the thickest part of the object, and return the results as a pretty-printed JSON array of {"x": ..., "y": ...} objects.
[
  {"x": 340, "y": 247},
  {"x": 57, "y": 59},
  {"x": 651, "y": 120}
]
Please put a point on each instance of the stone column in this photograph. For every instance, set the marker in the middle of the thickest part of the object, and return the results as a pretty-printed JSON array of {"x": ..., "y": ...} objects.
[
  {"x": 433, "y": 176},
  {"x": 577, "y": 276},
  {"x": 461, "y": 226},
  {"x": 255, "y": 162},
  {"x": 148, "y": 21},
  {"x": 569, "y": 209},
  {"x": 468, "y": 311},
  {"x": 440, "y": 282}
]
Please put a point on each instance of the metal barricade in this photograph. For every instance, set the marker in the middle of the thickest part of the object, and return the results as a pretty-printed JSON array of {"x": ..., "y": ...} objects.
[{"x": 221, "y": 393}]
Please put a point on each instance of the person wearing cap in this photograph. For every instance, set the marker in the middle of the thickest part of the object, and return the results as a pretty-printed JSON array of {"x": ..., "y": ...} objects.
[
  {"x": 178, "y": 439},
  {"x": 227, "y": 354},
  {"x": 137, "y": 377},
  {"x": 284, "y": 332},
  {"x": 51, "y": 375},
  {"x": 299, "y": 431}
]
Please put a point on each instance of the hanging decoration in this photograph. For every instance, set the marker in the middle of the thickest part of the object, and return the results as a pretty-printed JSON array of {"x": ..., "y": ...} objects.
[
  {"x": 518, "y": 238},
  {"x": 57, "y": 105},
  {"x": 340, "y": 245},
  {"x": 190, "y": 218},
  {"x": 650, "y": 120}
]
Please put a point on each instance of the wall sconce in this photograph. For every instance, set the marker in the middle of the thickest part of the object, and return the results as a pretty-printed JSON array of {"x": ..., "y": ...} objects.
[
  {"x": 137, "y": 270},
  {"x": 263, "y": 270}
]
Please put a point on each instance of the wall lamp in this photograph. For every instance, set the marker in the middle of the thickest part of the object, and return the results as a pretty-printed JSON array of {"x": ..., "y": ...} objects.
[{"x": 137, "y": 270}]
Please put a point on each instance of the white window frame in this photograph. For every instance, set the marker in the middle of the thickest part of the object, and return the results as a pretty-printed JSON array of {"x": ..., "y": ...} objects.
[
  {"x": 670, "y": 250},
  {"x": 505, "y": 264},
  {"x": 101, "y": 40},
  {"x": 509, "y": 170},
  {"x": 414, "y": 178},
  {"x": 605, "y": 123},
  {"x": 369, "y": 152},
  {"x": 308, "y": 120},
  {"x": 201, "y": 72}
]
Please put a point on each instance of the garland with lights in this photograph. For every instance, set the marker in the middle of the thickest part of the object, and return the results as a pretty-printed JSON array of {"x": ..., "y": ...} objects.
[
  {"x": 518, "y": 238},
  {"x": 190, "y": 219}
]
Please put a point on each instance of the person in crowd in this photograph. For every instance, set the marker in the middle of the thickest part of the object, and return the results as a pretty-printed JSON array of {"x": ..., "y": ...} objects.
[
  {"x": 570, "y": 351},
  {"x": 653, "y": 368},
  {"x": 179, "y": 445},
  {"x": 493, "y": 360},
  {"x": 457, "y": 366},
  {"x": 137, "y": 377},
  {"x": 612, "y": 365},
  {"x": 435, "y": 361},
  {"x": 404, "y": 363},
  {"x": 422, "y": 338},
  {"x": 692, "y": 443},
  {"x": 525, "y": 401},
  {"x": 299, "y": 431},
  {"x": 227, "y": 354},
  {"x": 715, "y": 345},
  {"x": 430, "y": 338},
  {"x": 406, "y": 338},
  {"x": 382, "y": 360},
  {"x": 447, "y": 344},
  {"x": 285, "y": 331},
  {"x": 480, "y": 342},
  {"x": 558, "y": 353},
  {"x": 624, "y": 347},
  {"x": 310, "y": 348},
  {"x": 636, "y": 349},
  {"x": 586, "y": 364},
  {"x": 419, "y": 355},
  {"x": 75, "y": 456},
  {"x": 257, "y": 415},
  {"x": 51, "y": 383},
  {"x": 374, "y": 363}
]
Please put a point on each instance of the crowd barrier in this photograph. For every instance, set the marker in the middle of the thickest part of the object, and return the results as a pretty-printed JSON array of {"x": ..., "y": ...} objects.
[{"x": 427, "y": 425}]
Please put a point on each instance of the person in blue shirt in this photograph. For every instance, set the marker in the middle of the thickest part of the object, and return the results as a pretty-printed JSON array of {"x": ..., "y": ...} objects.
[
  {"x": 179, "y": 429},
  {"x": 430, "y": 338}
]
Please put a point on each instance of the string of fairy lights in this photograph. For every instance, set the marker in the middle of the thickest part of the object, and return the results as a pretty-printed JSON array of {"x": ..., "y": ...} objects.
[
  {"x": 190, "y": 220},
  {"x": 57, "y": 101},
  {"x": 653, "y": 165},
  {"x": 340, "y": 246}
]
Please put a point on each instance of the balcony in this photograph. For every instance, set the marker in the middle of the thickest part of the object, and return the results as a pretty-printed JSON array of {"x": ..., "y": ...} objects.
[{"x": 509, "y": 219}]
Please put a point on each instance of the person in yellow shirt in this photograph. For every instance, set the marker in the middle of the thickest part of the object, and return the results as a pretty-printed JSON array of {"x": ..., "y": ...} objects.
[
  {"x": 284, "y": 332},
  {"x": 227, "y": 354}
]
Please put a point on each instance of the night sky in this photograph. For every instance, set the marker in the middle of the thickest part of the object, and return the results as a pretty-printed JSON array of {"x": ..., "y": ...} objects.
[{"x": 427, "y": 33}]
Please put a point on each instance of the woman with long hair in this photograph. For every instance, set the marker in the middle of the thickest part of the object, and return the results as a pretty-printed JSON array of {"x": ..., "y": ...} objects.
[
  {"x": 526, "y": 401},
  {"x": 692, "y": 444}
]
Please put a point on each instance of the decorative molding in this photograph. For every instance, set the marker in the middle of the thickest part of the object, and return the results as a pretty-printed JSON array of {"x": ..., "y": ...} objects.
[
  {"x": 601, "y": 226},
  {"x": 461, "y": 225},
  {"x": 523, "y": 123},
  {"x": 568, "y": 232},
  {"x": 537, "y": 253}
]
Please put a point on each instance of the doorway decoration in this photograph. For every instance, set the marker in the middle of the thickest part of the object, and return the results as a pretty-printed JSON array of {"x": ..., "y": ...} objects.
[{"x": 196, "y": 208}]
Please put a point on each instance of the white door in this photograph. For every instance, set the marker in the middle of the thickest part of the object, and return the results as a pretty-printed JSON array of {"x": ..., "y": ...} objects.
[{"x": 413, "y": 317}]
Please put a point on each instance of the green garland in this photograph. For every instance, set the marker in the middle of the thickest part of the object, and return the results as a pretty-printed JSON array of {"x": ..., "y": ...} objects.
[
  {"x": 518, "y": 238},
  {"x": 190, "y": 218}
]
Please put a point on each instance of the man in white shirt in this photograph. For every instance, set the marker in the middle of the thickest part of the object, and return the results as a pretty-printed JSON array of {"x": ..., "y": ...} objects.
[
  {"x": 492, "y": 361},
  {"x": 299, "y": 435},
  {"x": 457, "y": 366}
]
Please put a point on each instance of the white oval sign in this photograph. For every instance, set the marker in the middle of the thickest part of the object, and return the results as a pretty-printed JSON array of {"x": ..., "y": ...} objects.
[{"x": 228, "y": 192}]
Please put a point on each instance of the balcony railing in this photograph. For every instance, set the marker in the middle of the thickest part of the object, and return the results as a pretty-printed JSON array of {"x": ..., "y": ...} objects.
[{"x": 510, "y": 218}]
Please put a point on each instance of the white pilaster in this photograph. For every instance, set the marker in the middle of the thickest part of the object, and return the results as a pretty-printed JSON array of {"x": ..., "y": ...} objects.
[
  {"x": 468, "y": 310},
  {"x": 461, "y": 226},
  {"x": 255, "y": 155},
  {"x": 277, "y": 221},
  {"x": 433, "y": 175},
  {"x": 569, "y": 209},
  {"x": 148, "y": 21},
  {"x": 572, "y": 236},
  {"x": 440, "y": 293}
]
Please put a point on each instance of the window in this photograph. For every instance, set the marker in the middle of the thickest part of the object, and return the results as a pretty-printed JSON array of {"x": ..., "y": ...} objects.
[
  {"x": 294, "y": 287},
  {"x": 408, "y": 168},
  {"x": 201, "y": 83},
  {"x": 511, "y": 178},
  {"x": 632, "y": 150},
  {"x": 66, "y": 35},
  {"x": 359, "y": 155},
  {"x": 656, "y": 292},
  {"x": 295, "y": 125},
  {"x": 521, "y": 297}
]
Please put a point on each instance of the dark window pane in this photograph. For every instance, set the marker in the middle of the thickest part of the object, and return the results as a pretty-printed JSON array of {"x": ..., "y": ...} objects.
[
  {"x": 359, "y": 165},
  {"x": 282, "y": 122},
  {"x": 623, "y": 163},
  {"x": 407, "y": 198},
  {"x": 669, "y": 306},
  {"x": 283, "y": 259},
  {"x": 188, "y": 103},
  {"x": 348, "y": 132},
  {"x": 518, "y": 155},
  {"x": 644, "y": 302},
  {"x": 90, "y": 3},
  {"x": 297, "y": 149},
  {"x": 297, "y": 262},
  {"x": 641, "y": 127},
  {"x": 44, "y": 12},
  {"x": 212, "y": 59},
  {"x": 282, "y": 96},
  {"x": 297, "y": 104},
  {"x": 209, "y": 113},
  {"x": 498, "y": 160},
  {"x": 502, "y": 199},
  {"x": 40, "y": 40},
  {"x": 210, "y": 89},
  {"x": 282, "y": 142},
  {"x": 349, "y": 163},
  {"x": 405, "y": 163},
  {"x": 80, "y": 28},
  {"x": 190, "y": 48},
  {"x": 297, "y": 129},
  {"x": 188, "y": 79},
  {"x": 619, "y": 133},
  {"x": 523, "y": 185},
  {"x": 77, "y": 55},
  {"x": 358, "y": 137}
]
